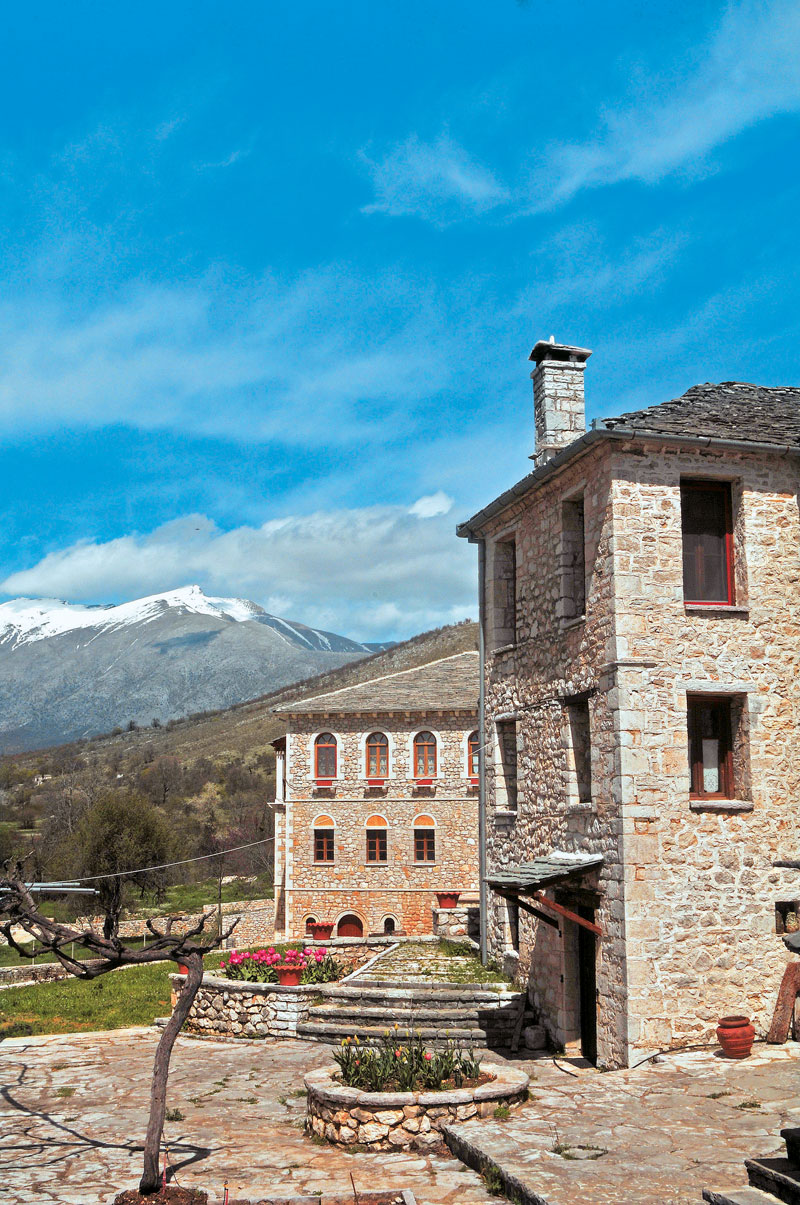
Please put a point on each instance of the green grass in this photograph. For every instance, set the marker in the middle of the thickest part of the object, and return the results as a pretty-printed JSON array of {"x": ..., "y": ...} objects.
[
  {"x": 10, "y": 958},
  {"x": 114, "y": 1001},
  {"x": 471, "y": 970}
]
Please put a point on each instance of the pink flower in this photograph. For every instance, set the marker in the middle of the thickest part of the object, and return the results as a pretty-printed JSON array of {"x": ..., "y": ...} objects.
[{"x": 427, "y": 1056}]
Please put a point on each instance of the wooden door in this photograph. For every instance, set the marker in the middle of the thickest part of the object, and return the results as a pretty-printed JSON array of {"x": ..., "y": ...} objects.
[
  {"x": 587, "y": 986},
  {"x": 350, "y": 926}
]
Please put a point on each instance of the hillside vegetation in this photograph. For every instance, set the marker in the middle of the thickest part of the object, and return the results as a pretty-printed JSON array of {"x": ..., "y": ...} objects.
[{"x": 194, "y": 786}]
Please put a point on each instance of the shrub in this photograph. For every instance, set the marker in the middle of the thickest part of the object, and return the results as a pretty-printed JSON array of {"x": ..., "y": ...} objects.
[{"x": 404, "y": 1067}]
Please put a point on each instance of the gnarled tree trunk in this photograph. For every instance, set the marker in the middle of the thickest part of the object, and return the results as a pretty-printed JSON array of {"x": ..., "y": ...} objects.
[{"x": 151, "y": 1181}]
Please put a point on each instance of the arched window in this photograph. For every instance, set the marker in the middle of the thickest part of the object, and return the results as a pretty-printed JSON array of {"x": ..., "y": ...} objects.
[
  {"x": 323, "y": 839},
  {"x": 377, "y": 755},
  {"x": 310, "y": 920},
  {"x": 389, "y": 925},
  {"x": 424, "y": 755},
  {"x": 377, "y": 845},
  {"x": 473, "y": 747},
  {"x": 325, "y": 755},
  {"x": 424, "y": 839}
]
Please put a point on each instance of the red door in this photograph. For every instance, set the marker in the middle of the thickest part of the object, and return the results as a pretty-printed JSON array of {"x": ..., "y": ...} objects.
[{"x": 350, "y": 926}]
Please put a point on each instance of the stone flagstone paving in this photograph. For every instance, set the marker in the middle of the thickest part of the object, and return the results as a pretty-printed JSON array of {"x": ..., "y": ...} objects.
[
  {"x": 74, "y": 1108},
  {"x": 668, "y": 1129}
]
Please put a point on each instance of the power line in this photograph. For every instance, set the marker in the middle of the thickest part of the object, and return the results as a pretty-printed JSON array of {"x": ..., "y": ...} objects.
[{"x": 120, "y": 874}]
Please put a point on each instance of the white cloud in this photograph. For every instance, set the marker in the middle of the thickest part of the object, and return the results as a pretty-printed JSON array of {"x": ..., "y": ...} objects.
[
  {"x": 325, "y": 358},
  {"x": 747, "y": 73},
  {"x": 437, "y": 181},
  {"x": 380, "y": 571},
  {"x": 439, "y": 503}
]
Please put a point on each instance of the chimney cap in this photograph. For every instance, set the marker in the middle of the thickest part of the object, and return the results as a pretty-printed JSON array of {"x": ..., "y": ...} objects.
[{"x": 550, "y": 350}]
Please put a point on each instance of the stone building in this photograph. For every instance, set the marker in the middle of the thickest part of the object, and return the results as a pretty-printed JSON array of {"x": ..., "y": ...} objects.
[
  {"x": 640, "y": 612},
  {"x": 377, "y": 801}
]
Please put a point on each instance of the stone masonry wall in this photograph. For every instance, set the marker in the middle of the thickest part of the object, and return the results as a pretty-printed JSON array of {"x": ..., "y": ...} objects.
[
  {"x": 256, "y": 922},
  {"x": 230, "y": 1008},
  {"x": 686, "y": 896},
  {"x": 398, "y": 888}
]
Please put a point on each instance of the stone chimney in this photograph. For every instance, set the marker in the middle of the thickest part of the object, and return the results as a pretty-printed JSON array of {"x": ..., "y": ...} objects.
[{"x": 558, "y": 406}]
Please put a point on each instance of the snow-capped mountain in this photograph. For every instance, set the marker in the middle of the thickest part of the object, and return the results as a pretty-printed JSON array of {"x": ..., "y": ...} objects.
[{"x": 68, "y": 670}]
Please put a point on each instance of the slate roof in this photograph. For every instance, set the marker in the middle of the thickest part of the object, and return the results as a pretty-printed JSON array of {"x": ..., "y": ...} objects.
[
  {"x": 450, "y": 684},
  {"x": 729, "y": 410},
  {"x": 556, "y": 866}
]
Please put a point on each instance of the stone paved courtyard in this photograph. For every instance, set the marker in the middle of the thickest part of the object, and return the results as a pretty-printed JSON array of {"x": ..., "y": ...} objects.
[{"x": 74, "y": 1109}]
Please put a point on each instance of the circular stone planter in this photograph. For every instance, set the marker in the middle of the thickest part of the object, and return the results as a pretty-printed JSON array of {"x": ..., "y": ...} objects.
[{"x": 386, "y": 1121}]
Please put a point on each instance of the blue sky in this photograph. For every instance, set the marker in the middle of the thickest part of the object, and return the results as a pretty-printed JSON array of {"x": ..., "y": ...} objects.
[{"x": 271, "y": 274}]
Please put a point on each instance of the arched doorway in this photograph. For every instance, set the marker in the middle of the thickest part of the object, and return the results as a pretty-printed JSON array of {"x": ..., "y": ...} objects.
[{"x": 350, "y": 926}]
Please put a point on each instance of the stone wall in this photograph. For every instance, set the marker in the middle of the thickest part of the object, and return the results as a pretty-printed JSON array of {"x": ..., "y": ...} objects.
[
  {"x": 400, "y": 888},
  {"x": 256, "y": 922},
  {"x": 687, "y": 892},
  {"x": 232, "y": 1009},
  {"x": 393, "y": 1120},
  {"x": 457, "y": 923}
]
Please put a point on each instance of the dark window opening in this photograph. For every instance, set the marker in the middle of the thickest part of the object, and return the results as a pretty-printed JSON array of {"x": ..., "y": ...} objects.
[
  {"x": 507, "y": 749},
  {"x": 581, "y": 741},
  {"x": 504, "y": 601},
  {"x": 707, "y": 530},
  {"x": 325, "y": 756},
  {"x": 710, "y": 747},
  {"x": 377, "y": 848},
  {"x": 323, "y": 844},
  {"x": 787, "y": 916},
  {"x": 389, "y": 925},
  {"x": 573, "y": 552},
  {"x": 424, "y": 845},
  {"x": 310, "y": 920}
]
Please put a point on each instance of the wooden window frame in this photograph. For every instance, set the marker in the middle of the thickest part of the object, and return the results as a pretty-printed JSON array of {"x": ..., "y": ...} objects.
[
  {"x": 377, "y": 842},
  {"x": 326, "y": 836},
  {"x": 423, "y": 748},
  {"x": 696, "y": 485},
  {"x": 724, "y": 703},
  {"x": 382, "y": 745},
  {"x": 331, "y": 744},
  {"x": 473, "y": 755},
  {"x": 427, "y": 836}
]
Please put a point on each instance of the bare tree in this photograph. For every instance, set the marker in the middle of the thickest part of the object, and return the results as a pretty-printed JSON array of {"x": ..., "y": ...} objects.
[{"x": 18, "y": 907}]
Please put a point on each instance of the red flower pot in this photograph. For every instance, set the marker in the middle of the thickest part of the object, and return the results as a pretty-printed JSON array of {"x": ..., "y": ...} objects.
[
  {"x": 735, "y": 1036},
  {"x": 447, "y": 899},
  {"x": 182, "y": 968},
  {"x": 289, "y": 976},
  {"x": 321, "y": 930}
]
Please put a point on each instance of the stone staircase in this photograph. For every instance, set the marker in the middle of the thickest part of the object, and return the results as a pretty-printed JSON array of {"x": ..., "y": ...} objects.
[
  {"x": 771, "y": 1178},
  {"x": 418, "y": 989},
  {"x": 471, "y": 1013}
]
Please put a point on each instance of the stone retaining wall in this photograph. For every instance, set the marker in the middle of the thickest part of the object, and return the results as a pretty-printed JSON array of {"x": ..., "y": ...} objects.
[
  {"x": 38, "y": 972},
  {"x": 456, "y": 923},
  {"x": 231, "y": 1009},
  {"x": 256, "y": 922},
  {"x": 394, "y": 1120}
]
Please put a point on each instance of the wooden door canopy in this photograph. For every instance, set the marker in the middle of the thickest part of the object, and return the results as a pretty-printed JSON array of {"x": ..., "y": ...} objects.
[{"x": 567, "y": 914}]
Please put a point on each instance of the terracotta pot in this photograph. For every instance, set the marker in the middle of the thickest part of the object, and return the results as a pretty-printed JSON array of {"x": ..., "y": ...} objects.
[
  {"x": 447, "y": 899},
  {"x": 288, "y": 976},
  {"x": 735, "y": 1035},
  {"x": 182, "y": 968},
  {"x": 321, "y": 930}
]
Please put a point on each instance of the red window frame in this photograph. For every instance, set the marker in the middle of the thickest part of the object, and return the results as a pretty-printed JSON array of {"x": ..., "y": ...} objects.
[
  {"x": 721, "y": 706},
  {"x": 424, "y": 844},
  {"x": 377, "y": 845},
  {"x": 473, "y": 754},
  {"x": 425, "y": 755},
  {"x": 723, "y": 489},
  {"x": 377, "y": 755},
  {"x": 323, "y": 744},
  {"x": 323, "y": 845}
]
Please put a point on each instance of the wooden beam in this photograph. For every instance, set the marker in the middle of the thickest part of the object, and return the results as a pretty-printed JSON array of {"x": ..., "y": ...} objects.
[
  {"x": 526, "y": 907},
  {"x": 787, "y": 994},
  {"x": 565, "y": 912}
]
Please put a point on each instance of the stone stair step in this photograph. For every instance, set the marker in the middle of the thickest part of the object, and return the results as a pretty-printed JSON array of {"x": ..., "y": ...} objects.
[
  {"x": 426, "y": 985},
  {"x": 410, "y": 993},
  {"x": 739, "y": 1196},
  {"x": 791, "y": 1136},
  {"x": 342, "y": 1013},
  {"x": 777, "y": 1176},
  {"x": 327, "y": 1032}
]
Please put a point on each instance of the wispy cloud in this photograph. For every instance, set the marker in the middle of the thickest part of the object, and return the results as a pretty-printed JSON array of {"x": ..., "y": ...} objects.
[
  {"x": 437, "y": 181},
  {"x": 384, "y": 571},
  {"x": 747, "y": 73}
]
